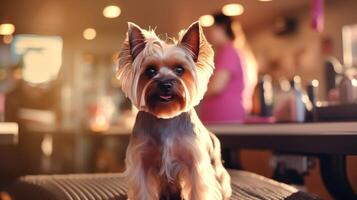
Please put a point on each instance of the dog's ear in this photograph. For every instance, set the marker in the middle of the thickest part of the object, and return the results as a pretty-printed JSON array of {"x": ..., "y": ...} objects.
[
  {"x": 136, "y": 39},
  {"x": 191, "y": 40}
]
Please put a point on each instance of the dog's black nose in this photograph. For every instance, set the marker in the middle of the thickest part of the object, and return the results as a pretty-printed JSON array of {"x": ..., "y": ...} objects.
[{"x": 165, "y": 86}]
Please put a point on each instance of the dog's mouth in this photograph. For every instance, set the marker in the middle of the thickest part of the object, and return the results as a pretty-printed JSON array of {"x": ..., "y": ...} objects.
[
  {"x": 166, "y": 98},
  {"x": 164, "y": 104}
]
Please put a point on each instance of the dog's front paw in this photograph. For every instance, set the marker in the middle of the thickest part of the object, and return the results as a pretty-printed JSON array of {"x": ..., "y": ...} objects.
[{"x": 226, "y": 185}]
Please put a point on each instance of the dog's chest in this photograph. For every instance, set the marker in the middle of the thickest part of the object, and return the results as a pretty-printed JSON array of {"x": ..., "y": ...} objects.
[
  {"x": 169, "y": 143},
  {"x": 169, "y": 150}
]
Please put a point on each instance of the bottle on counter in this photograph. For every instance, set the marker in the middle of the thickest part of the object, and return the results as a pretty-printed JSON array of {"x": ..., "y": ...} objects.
[
  {"x": 312, "y": 93},
  {"x": 297, "y": 106},
  {"x": 2, "y": 107},
  {"x": 347, "y": 89},
  {"x": 354, "y": 88},
  {"x": 265, "y": 89},
  {"x": 312, "y": 90},
  {"x": 289, "y": 105}
]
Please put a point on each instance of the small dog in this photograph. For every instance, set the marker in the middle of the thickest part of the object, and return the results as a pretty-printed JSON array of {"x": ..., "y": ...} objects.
[{"x": 171, "y": 155}]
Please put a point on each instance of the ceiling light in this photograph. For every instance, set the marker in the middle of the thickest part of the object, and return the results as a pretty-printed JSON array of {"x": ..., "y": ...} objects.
[
  {"x": 111, "y": 11},
  {"x": 89, "y": 33},
  {"x": 206, "y": 20},
  {"x": 265, "y": 0},
  {"x": 7, "y": 29},
  {"x": 233, "y": 9}
]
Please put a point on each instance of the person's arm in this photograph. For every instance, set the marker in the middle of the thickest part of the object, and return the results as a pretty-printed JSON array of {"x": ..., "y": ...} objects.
[{"x": 218, "y": 82}]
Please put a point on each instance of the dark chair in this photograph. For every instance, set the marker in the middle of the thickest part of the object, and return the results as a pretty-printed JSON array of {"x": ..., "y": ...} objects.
[{"x": 246, "y": 186}]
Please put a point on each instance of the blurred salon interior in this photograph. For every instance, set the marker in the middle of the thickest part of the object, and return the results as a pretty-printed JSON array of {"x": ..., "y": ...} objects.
[{"x": 282, "y": 99}]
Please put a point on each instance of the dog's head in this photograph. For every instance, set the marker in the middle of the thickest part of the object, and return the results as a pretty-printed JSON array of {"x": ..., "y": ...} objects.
[{"x": 163, "y": 78}]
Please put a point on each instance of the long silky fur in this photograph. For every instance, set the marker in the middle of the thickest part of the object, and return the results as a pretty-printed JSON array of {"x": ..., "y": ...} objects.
[
  {"x": 128, "y": 70},
  {"x": 203, "y": 177},
  {"x": 200, "y": 175}
]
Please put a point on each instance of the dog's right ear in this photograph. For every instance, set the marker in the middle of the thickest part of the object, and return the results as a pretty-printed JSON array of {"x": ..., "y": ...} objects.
[
  {"x": 191, "y": 40},
  {"x": 136, "y": 39}
]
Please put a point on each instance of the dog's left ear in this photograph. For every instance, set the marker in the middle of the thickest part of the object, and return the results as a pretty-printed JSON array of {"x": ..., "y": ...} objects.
[
  {"x": 191, "y": 40},
  {"x": 136, "y": 39}
]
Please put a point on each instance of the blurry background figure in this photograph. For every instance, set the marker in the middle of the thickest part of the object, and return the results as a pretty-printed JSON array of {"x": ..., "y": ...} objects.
[
  {"x": 332, "y": 67},
  {"x": 250, "y": 67},
  {"x": 229, "y": 88}
]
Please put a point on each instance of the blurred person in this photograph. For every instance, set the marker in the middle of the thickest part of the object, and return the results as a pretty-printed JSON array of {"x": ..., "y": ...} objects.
[
  {"x": 250, "y": 67},
  {"x": 225, "y": 100}
]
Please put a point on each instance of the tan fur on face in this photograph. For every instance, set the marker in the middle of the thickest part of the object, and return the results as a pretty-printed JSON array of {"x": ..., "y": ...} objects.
[
  {"x": 184, "y": 86},
  {"x": 130, "y": 70}
]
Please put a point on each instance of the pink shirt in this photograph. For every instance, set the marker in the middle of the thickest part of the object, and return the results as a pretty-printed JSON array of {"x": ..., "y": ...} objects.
[{"x": 228, "y": 105}]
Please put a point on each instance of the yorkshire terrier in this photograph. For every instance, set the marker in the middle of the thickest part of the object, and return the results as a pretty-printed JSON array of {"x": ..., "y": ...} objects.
[{"x": 171, "y": 155}]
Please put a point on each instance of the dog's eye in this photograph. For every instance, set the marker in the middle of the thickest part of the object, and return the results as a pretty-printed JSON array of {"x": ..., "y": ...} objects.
[
  {"x": 179, "y": 70},
  {"x": 150, "y": 71}
]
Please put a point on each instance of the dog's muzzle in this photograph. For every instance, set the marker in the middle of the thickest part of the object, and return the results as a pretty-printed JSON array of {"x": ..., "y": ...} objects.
[{"x": 166, "y": 93}]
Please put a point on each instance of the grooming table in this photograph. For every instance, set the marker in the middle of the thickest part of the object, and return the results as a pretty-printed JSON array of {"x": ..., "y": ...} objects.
[{"x": 246, "y": 186}]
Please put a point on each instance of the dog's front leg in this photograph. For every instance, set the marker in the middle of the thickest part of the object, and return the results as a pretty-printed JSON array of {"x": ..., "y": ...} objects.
[
  {"x": 198, "y": 178},
  {"x": 222, "y": 175},
  {"x": 144, "y": 186},
  {"x": 143, "y": 183}
]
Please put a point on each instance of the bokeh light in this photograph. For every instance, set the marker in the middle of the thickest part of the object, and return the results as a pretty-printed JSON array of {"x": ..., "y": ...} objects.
[
  {"x": 206, "y": 20},
  {"x": 41, "y": 57},
  {"x": 111, "y": 11},
  {"x": 7, "y": 29},
  {"x": 233, "y": 9},
  {"x": 354, "y": 82},
  {"x": 315, "y": 83},
  {"x": 89, "y": 33}
]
